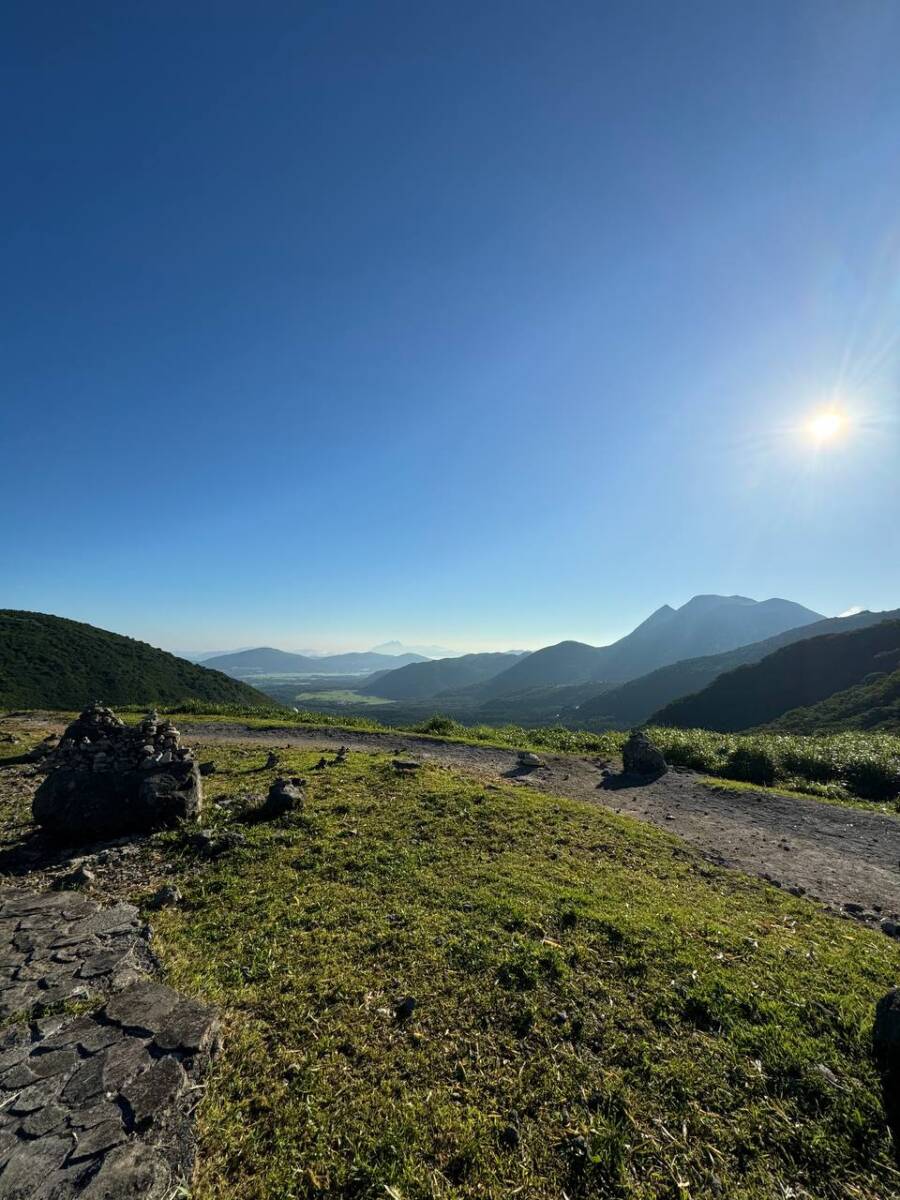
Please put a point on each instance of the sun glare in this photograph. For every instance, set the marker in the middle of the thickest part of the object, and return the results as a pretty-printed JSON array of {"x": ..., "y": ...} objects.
[{"x": 826, "y": 426}]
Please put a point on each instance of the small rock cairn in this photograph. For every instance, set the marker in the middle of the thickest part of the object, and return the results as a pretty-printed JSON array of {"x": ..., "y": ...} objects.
[
  {"x": 107, "y": 778},
  {"x": 100, "y": 741}
]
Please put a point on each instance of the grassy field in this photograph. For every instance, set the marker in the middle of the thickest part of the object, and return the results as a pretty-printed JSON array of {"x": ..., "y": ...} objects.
[
  {"x": 598, "y": 1013},
  {"x": 338, "y": 697},
  {"x": 856, "y": 765}
]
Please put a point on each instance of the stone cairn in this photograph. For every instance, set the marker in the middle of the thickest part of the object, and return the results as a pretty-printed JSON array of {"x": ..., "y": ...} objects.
[
  {"x": 641, "y": 756},
  {"x": 100, "y": 741},
  {"x": 107, "y": 778}
]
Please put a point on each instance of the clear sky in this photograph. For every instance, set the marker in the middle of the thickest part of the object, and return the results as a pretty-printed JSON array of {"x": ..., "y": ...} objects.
[{"x": 481, "y": 323}]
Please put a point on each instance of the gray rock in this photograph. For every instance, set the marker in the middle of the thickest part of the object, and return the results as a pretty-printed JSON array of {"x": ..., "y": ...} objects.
[
  {"x": 285, "y": 795},
  {"x": 528, "y": 759},
  {"x": 641, "y": 756},
  {"x": 44, "y": 1120},
  {"x": 85, "y": 1088},
  {"x": 81, "y": 877},
  {"x": 35, "y": 1096},
  {"x": 90, "y": 1105},
  {"x": 122, "y": 1062},
  {"x": 142, "y": 1007},
  {"x": 189, "y": 1028},
  {"x": 210, "y": 844},
  {"x": 56, "y": 1062},
  {"x": 29, "y": 1165},
  {"x": 130, "y": 1172},
  {"x": 87, "y": 1118},
  {"x": 168, "y": 896},
  {"x": 98, "y": 1140},
  {"x": 154, "y": 1091}
]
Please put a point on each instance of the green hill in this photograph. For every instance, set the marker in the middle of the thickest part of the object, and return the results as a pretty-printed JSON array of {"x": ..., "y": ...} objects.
[
  {"x": 632, "y": 703},
  {"x": 422, "y": 680},
  {"x": 51, "y": 662},
  {"x": 795, "y": 676},
  {"x": 873, "y": 704}
]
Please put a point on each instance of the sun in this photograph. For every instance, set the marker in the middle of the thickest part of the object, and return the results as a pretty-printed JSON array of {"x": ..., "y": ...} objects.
[{"x": 826, "y": 426}]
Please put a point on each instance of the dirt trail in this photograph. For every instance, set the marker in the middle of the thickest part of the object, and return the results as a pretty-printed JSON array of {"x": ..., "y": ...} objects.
[{"x": 840, "y": 856}]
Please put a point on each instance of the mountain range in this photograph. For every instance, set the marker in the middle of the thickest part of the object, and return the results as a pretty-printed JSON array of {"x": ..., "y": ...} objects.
[
  {"x": 811, "y": 673},
  {"x": 266, "y": 660},
  {"x": 396, "y": 648},
  {"x": 704, "y": 625},
  {"x": 634, "y": 702}
]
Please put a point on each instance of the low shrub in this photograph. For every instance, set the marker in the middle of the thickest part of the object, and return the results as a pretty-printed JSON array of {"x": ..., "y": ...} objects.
[{"x": 752, "y": 765}]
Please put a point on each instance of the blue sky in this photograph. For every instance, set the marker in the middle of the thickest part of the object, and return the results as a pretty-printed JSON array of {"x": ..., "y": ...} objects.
[{"x": 485, "y": 324}]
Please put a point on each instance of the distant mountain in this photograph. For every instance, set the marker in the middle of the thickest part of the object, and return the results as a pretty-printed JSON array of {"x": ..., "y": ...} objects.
[
  {"x": 419, "y": 681},
  {"x": 394, "y": 648},
  {"x": 873, "y": 705},
  {"x": 795, "y": 676},
  {"x": 266, "y": 660},
  {"x": 200, "y": 656},
  {"x": 633, "y": 703},
  {"x": 704, "y": 625},
  {"x": 51, "y": 662}
]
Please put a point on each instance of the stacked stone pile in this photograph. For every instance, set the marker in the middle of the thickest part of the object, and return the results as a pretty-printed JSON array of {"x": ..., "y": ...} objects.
[
  {"x": 108, "y": 778},
  {"x": 641, "y": 756},
  {"x": 99, "y": 741}
]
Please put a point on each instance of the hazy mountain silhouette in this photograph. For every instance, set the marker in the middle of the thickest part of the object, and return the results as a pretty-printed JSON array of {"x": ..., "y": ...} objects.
[
  {"x": 395, "y": 648},
  {"x": 704, "y": 625},
  {"x": 425, "y": 679},
  {"x": 266, "y": 660}
]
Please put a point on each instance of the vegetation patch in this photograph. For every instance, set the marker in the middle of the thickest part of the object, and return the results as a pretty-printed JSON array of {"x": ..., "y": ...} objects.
[
  {"x": 854, "y": 764},
  {"x": 436, "y": 989},
  {"x": 51, "y": 662}
]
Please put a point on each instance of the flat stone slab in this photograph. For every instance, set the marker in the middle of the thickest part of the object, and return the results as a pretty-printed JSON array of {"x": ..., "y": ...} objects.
[
  {"x": 56, "y": 947},
  {"x": 93, "y": 1105}
]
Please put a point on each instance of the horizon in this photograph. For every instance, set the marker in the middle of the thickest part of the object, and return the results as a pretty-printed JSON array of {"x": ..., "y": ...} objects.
[
  {"x": 305, "y": 646},
  {"x": 494, "y": 326}
]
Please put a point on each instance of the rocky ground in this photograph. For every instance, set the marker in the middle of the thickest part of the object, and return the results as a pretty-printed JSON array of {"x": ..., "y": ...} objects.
[{"x": 101, "y": 1065}]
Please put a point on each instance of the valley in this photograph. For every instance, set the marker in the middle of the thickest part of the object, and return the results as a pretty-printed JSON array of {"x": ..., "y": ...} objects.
[{"x": 428, "y": 910}]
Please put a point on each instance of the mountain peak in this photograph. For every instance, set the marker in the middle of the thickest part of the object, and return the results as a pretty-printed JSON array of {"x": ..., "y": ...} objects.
[{"x": 706, "y": 601}]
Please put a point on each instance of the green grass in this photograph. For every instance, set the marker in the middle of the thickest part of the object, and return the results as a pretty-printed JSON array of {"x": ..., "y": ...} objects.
[
  {"x": 838, "y": 766},
  {"x": 337, "y": 697},
  {"x": 861, "y": 766},
  {"x": 649, "y": 1026}
]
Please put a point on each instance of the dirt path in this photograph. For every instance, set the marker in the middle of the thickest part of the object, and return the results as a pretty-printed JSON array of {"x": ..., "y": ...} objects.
[{"x": 840, "y": 856}]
